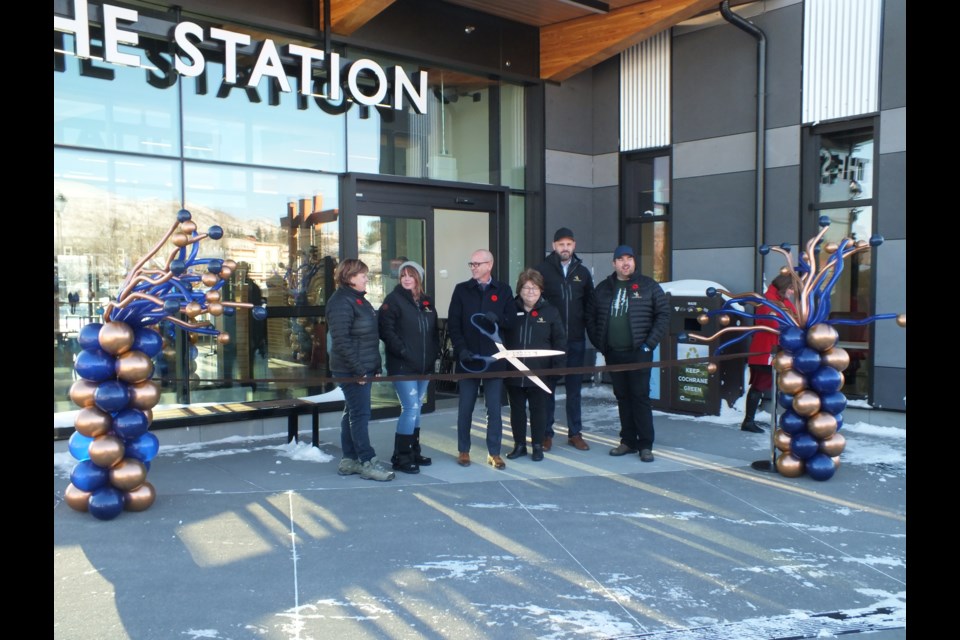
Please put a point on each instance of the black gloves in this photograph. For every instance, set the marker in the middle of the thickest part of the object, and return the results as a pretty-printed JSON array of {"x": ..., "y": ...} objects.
[
  {"x": 492, "y": 317},
  {"x": 465, "y": 355}
]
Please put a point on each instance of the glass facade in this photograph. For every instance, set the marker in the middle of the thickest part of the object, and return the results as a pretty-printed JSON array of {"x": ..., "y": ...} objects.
[{"x": 135, "y": 144}]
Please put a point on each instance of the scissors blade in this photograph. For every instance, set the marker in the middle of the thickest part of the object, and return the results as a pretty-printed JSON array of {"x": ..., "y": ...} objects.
[
  {"x": 522, "y": 367},
  {"x": 526, "y": 353}
]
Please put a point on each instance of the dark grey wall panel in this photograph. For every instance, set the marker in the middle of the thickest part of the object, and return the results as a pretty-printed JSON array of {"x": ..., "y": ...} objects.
[
  {"x": 606, "y": 106},
  {"x": 891, "y": 340},
  {"x": 570, "y": 207},
  {"x": 892, "y": 191},
  {"x": 784, "y": 31},
  {"x": 890, "y": 389},
  {"x": 568, "y": 107},
  {"x": 893, "y": 73},
  {"x": 714, "y": 211},
  {"x": 782, "y": 205},
  {"x": 605, "y": 225},
  {"x": 731, "y": 268}
]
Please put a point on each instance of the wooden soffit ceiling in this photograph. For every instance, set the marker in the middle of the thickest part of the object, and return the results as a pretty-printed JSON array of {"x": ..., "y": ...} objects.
[{"x": 575, "y": 35}]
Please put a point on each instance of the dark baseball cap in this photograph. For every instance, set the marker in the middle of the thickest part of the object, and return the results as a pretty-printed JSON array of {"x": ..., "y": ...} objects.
[
  {"x": 562, "y": 233},
  {"x": 622, "y": 250}
]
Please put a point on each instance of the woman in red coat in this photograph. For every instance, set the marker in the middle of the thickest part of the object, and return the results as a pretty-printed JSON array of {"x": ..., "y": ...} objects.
[{"x": 781, "y": 291}]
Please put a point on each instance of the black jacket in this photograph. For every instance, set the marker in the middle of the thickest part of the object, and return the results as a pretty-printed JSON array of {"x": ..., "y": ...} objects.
[
  {"x": 468, "y": 299},
  {"x": 539, "y": 328},
  {"x": 409, "y": 332},
  {"x": 648, "y": 309},
  {"x": 569, "y": 294},
  {"x": 354, "y": 335}
]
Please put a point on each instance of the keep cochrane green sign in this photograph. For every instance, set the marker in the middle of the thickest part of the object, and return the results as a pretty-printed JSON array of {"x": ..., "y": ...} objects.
[{"x": 388, "y": 89}]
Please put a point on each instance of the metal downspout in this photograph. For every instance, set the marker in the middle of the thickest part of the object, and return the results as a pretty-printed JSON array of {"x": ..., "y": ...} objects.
[{"x": 757, "y": 33}]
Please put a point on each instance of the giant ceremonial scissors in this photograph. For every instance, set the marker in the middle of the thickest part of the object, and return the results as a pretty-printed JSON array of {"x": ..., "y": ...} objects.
[{"x": 511, "y": 355}]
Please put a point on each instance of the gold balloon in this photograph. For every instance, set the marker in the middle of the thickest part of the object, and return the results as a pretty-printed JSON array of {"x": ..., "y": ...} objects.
[
  {"x": 188, "y": 226},
  {"x": 134, "y": 366},
  {"x": 140, "y": 498},
  {"x": 149, "y": 414},
  {"x": 106, "y": 451},
  {"x": 230, "y": 264},
  {"x": 81, "y": 392},
  {"x": 822, "y": 337},
  {"x": 838, "y": 358},
  {"x": 225, "y": 272},
  {"x": 783, "y": 361},
  {"x": 144, "y": 395},
  {"x": 862, "y": 243},
  {"x": 192, "y": 337},
  {"x": 723, "y": 319},
  {"x": 792, "y": 382},
  {"x": 116, "y": 337},
  {"x": 781, "y": 440},
  {"x": 831, "y": 247},
  {"x": 180, "y": 239},
  {"x": 169, "y": 353},
  {"x": 215, "y": 309},
  {"x": 92, "y": 422},
  {"x": 834, "y": 445},
  {"x": 76, "y": 499},
  {"x": 209, "y": 279},
  {"x": 212, "y": 296},
  {"x": 712, "y": 368},
  {"x": 822, "y": 425},
  {"x": 223, "y": 338},
  {"x": 806, "y": 403},
  {"x": 703, "y": 318},
  {"x": 836, "y": 461},
  {"x": 193, "y": 309},
  {"x": 128, "y": 474},
  {"x": 790, "y": 465},
  {"x": 902, "y": 320},
  {"x": 785, "y": 271}
]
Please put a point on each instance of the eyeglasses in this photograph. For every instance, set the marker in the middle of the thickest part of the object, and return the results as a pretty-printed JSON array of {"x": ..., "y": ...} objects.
[
  {"x": 531, "y": 289},
  {"x": 475, "y": 265}
]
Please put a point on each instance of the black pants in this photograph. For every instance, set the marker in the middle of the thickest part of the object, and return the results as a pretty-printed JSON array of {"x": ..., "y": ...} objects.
[
  {"x": 632, "y": 390},
  {"x": 537, "y": 398}
]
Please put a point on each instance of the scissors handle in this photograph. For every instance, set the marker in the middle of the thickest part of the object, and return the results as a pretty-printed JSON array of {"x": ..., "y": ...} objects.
[
  {"x": 493, "y": 335},
  {"x": 486, "y": 360}
]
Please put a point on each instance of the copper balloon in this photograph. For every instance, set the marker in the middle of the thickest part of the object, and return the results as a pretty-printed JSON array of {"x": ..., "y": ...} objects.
[
  {"x": 822, "y": 337},
  {"x": 223, "y": 338},
  {"x": 193, "y": 309},
  {"x": 209, "y": 279},
  {"x": 792, "y": 382},
  {"x": 790, "y": 465},
  {"x": 140, "y": 498},
  {"x": 781, "y": 440},
  {"x": 106, "y": 451},
  {"x": 225, "y": 272},
  {"x": 822, "y": 425},
  {"x": 81, "y": 392},
  {"x": 193, "y": 337},
  {"x": 831, "y": 247},
  {"x": 212, "y": 296},
  {"x": 134, "y": 366},
  {"x": 785, "y": 271},
  {"x": 834, "y": 445},
  {"x": 723, "y": 319},
  {"x": 902, "y": 320},
  {"x": 215, "y": 309},
  {"x": 836, "y": 461},
  {"x": 188, "y": 226},
  {"x": 806, "y": 403},
  {"x": 149, "y": 414},
  {"x": 169, "y": 353},
  {"x": 703, "y": 318},
  {"x": 144, "y": 395},
  {"x": 229, "y": 264},
  {"x": 783, "y": 361},
  {"x": 92, "y": 422},
  {"x": 712, "y": 368},
  {"x": 180, "y": 239},
  {"x": 76, "y": 499},
  {"x": 837, "y": 358},
  {"x": 863, "y": 244},
  {"x": 128, "y": 474},
  {"x": 116, "y": 337}
]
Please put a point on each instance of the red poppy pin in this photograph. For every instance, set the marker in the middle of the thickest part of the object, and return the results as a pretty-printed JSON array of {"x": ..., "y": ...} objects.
[
  {"x": 635, "y": 286},
  {"x": 534, "y": 314},
  {"x": 359, "y": 301},
  {"x": 385, "y": 305},
  {"x": 493, "y": 297},
  {"x": 426, "y": 303}
]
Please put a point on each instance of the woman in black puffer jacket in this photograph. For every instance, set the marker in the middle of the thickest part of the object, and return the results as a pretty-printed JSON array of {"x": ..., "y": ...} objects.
[
  {"x": 355, "y": 353},
  {"x": 532, "y": 323},
  {"x": 408, "y": 328}
]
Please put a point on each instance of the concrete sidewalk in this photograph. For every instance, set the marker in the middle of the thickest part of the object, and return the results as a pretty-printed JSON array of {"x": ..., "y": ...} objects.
[{"x": 255, "y": 538}]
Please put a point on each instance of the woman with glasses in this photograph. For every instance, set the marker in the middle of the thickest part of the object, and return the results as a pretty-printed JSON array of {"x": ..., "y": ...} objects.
[
  {"x": 408, "y": 328},
  {"x": 532, "y": 323}
]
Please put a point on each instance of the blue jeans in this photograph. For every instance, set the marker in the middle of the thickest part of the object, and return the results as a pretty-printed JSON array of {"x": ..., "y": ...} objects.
[
  {"x": 410, "y": 393},
  {"x": 492, "y": 395},
  {"x": 571, "y": 385},
  {"x": 354, "y": 434}
]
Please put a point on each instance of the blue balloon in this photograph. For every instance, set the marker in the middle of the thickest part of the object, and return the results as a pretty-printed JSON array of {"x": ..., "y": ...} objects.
[
  {"x": 194, "y": 352},
  {"x": 171, "y": 306},
  {"x": 806, "y": 360},
  {"x": 792, "y": 422},
  {"x": 764, "y": 249},
  {"x": 711, "y": 291},
  {"x": 96, "y": 366},
  {"x": 793, "y": 339},
  {"x": 215, "y": 265},
  {"x": 825, "y": 380},
  {"x": 130, "y": 424},
  {"x": 87, "y": 476},
  {"x": 144, "y": 448},
  {"x": 105, "y": 503},
  {"x": 112, "y": 395},
  {"x": 215, "y": 232},
  {"x": 89, "y": 336},
  {"x": 804, "y": 446},
  {"x": 229, "y": 311},
  {"x": 148, "y": 341},
  {"x": 79, "y": 446},
  {"x": 177, "y": 267},
  {"x": 259, "y": 313},
  {"x": 183, "y": 215},
  {"x": 839, "y": 418},
  {"x": 785, "y": 400},
  {"x": 833, "y": 402},
  {"x": 821, "y": 467}
]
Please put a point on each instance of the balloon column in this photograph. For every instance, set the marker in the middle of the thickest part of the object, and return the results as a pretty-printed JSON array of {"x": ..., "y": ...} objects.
[
  {"x": 809, "y": 363},
  {"x": 114, "y": 389}
]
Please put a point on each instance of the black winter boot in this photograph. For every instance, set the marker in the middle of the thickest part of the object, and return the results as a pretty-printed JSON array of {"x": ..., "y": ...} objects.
[
  {"x": 423, "y": 461},
  {"x": 404, "y": 457},
  {"x": 537, "y": 454},
  {"x": 754, "y": 398}
]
